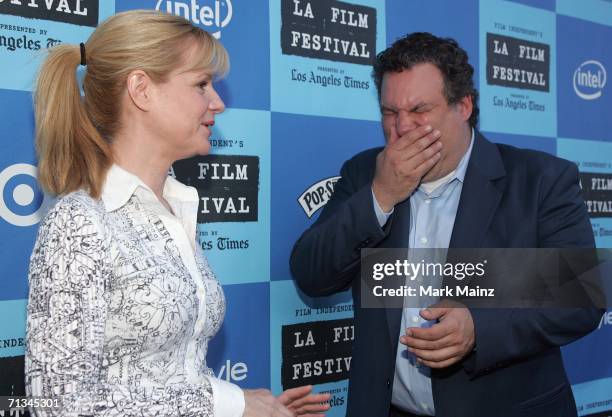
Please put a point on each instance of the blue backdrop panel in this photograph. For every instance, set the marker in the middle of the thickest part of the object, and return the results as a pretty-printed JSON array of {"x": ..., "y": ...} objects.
[
  {"x": 601, "y": 339},
  {"x": 591, "y": 377},
  {"x": 12, "y": 329},
  {"x": 310, "y": 340},
  {"x": 322, "y": 83},
  {"x": 23, "y": 39},
  {"x": 425, "y": 16},
  {"x": 593, "y": 158},
  {"x": 305, "y": 151},
  {"x": 585, "y": 98},
  {"x": 517, "y": 70},
  {"x": 543, "y": 144},
  {"x": 240, "y": 352},
  {"x": 21, "y": 203},
  {"x": 238, "y": 251},
  {"x": 587, "y": 360},
  {"x": 542, "y": 4},
  {"x": 242, "y": 28},
  {"x": 594, "y": 10}
]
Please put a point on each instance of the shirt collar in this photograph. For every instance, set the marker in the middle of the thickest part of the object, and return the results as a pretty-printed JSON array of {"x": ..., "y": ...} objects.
[
  {"x": 120, "y": 185},
  {"x": 463, "y": 164},
  {"x": 458, "y": 173}
]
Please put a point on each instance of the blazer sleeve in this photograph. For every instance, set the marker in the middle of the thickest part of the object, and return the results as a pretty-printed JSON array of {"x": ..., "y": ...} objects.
[
  {"x": 326, "y": 257},
  {"x": 66, "y": 318},
  {"x": 510, "y": 334}
]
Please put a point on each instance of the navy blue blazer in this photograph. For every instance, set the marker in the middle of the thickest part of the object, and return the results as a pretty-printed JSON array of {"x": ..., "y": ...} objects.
[{"x": 511, "y": 198}]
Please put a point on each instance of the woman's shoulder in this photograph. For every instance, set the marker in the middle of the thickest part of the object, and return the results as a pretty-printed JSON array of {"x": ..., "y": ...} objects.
[
  {"x": 77, "y": 207},
  {"x": 73, "y": 228}
]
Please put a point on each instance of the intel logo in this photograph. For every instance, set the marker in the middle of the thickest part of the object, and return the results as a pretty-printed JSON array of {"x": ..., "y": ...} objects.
[
  {"x": 589, "y": 80},
  {"x": 213, "y": 17}
]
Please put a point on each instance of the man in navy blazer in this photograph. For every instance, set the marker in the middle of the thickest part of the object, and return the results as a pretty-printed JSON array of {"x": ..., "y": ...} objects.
[{"x": 439, "y": 183}]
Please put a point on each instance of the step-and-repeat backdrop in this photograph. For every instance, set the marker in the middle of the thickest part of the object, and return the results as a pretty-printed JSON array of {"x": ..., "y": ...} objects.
[{"x": 300, "y": 101}]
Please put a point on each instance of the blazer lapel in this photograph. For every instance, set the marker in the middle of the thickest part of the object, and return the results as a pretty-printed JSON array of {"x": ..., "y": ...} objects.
[{"x": 480, "y": 195}]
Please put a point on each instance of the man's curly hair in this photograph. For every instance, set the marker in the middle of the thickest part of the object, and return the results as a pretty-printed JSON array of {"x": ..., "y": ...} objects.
[{"x": 444, "y": 53}]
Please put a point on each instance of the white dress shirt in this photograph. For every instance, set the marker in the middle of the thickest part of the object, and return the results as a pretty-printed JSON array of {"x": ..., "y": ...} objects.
[
  {"x": 122, "y": 305},
  {"x": 433, "y": 208}
]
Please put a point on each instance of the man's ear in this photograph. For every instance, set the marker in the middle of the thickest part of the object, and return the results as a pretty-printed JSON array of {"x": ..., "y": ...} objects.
[
  {"x": 465, "y": 106},
  {"x": 139, "y": 86}
]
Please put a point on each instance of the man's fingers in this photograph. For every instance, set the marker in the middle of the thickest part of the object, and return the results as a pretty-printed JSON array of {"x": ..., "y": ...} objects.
[
  {"x": 411, "y": 137},
  {"x": 406, "y": 148},
  {"x": 435, "y": 332},
  {"x": 442, "y": 364},
  {"x": 411, "y": 342},
  {"x": 427, "y": 162},
  {"x": 419, "y": 164},
  {"x": 439, "y": 355},
  {"x": 411, "y": 154},
  {"x": 434, "y": 313}
]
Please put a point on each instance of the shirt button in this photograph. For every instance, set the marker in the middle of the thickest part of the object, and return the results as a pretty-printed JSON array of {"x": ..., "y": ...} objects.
[
  {"x": 424, "y": 240},
  {"x": 415, "y": 319},
  {"x": 428, "y": 201},
  {"x": 424, "y": 407}
]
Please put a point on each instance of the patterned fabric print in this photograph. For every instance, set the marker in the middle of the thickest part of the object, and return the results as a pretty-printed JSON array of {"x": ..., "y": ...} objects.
[
  {"x": 112, "y": 312},
  {"x": 215, "y": 310}
]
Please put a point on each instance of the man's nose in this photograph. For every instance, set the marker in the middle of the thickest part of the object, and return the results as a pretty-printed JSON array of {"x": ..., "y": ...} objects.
[{"x": 408, "y": 121}]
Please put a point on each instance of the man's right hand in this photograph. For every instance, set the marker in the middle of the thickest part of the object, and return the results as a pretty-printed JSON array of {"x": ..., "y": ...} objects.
[
  {"x": 261, "y": 403},
  {"x": 402, "y": 164}
]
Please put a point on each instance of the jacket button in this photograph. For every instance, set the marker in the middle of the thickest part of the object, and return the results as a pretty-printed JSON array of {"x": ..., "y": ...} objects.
[{"x": 388, "y": 383}]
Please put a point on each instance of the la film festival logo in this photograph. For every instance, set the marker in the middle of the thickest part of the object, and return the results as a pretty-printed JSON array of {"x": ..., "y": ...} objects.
[
  {"x": 517, "y": 63},
  {"x": 316, "y": 352},
  {"x": 589, "y": 80},
  {"x": 77, "y": 12},
  {"x": 597, "y": 193},
  {"x": 329, "y": 29},
  {"x": 212, "y": 15},
  {"x": 228, "y": 186}
]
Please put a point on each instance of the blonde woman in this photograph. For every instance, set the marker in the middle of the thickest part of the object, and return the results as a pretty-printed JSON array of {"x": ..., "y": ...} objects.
[{"x": 122, "y": 302}]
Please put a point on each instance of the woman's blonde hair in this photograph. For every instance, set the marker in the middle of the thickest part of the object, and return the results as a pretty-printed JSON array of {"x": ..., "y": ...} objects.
[{"x": 73, "y": 133}]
